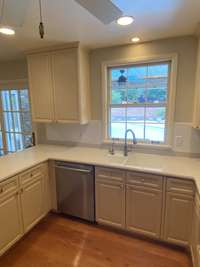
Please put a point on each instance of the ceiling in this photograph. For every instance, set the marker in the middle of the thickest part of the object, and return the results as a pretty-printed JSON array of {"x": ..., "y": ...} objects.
[{"x": 66, "y": 21}]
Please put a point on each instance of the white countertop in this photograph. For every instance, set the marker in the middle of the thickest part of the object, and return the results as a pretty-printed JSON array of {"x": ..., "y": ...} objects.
[{"x": 184, "y": 167}]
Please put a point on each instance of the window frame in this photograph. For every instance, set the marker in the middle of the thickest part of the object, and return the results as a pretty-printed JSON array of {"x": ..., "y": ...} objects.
[
  {"x": 170, "y": 105},
  {"x": 8, "y": 85}
]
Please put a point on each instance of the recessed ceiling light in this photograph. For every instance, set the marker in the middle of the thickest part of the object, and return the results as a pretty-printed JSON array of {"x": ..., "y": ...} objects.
[
  {"x": 125, "y": 20},
  {"x": 135, "y": 39},
  {"x": 7, "y": 31}
]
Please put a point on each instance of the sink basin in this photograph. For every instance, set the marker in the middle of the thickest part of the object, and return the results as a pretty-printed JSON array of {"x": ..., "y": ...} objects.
[{"x": 117, "y": 158}]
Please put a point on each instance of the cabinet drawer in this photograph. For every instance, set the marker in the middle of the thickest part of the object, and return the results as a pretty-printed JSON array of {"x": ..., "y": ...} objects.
[
  {"x": 110, "y": 173},
  {"x": 180, "y": 186},
  {"x": 142, "y": 179},
  {"x": 31, "y": 174},
  {"x": 9, "y": 186}
]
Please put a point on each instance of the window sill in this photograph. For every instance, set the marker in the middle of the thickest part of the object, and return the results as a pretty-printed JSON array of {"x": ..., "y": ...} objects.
[{"x": 139, "y": 146}]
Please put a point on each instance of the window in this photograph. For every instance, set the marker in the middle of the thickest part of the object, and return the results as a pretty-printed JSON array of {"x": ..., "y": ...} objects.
[
  {"x": 15, "y": 123},
  {"x": 137, "y": 99}
]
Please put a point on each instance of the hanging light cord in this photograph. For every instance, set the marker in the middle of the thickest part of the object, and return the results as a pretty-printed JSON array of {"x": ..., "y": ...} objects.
[
  {"x": 40, "y": 5},
  {"x": 41, "y": 25},
  {"x": 2, "y": 9}
]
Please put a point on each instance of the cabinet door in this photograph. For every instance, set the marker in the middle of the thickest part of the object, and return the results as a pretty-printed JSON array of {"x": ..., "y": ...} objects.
[
  {"x": 143, "y": 210},
  {"x": 65, "y": 84},
  {"x": 178, "y": 218},
  {"x": 32, "y": 199},
  {"x": 10, "y": 222},
  {"x": 41, "y": 90},
  {"x": 110, "y": 200},
  {"x": 47, "y": 193}
]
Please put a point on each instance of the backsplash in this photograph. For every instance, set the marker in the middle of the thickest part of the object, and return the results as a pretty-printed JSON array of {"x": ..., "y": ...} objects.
[{"x": 185, "y": 138}]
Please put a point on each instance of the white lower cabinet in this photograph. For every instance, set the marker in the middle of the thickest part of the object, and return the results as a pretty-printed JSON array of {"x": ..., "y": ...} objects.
[
  {"x": 179, "y": 205},
  {"x": 10, "y": 221},
  {"x": 143, "y": 210},
  {"x": 24, "y": 200},
  {"x": 32, "y": 201},
  {"x": 195, "y": 237},
  {"x": 110, "y": 199}
]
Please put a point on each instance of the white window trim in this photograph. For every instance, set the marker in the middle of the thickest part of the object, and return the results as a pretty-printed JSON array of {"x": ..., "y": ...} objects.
[{"x": 173, "y": 58}]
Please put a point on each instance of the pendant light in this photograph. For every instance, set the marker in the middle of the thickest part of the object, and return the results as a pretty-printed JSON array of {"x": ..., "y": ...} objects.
[{"x": 41, "y": 25}]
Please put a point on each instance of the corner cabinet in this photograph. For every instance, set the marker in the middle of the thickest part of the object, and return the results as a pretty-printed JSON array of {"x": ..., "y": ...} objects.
[
  {"x": 22, "y": 204},
  {"x": 11, "y": 228},
  {"x": 59, "y": 84}
]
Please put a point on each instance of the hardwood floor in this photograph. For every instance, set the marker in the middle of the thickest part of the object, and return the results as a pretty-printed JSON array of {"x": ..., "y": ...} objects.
[{"x": 61, "y": 242}]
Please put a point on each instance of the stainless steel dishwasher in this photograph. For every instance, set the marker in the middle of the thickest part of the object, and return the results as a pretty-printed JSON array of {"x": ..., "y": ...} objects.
[{"x": 75, "y": 190}]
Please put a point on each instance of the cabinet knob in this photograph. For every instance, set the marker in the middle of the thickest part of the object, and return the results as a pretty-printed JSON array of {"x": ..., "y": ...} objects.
[
  {"x": 1, "y": 190},
  {"x": 143, "y": 180}
]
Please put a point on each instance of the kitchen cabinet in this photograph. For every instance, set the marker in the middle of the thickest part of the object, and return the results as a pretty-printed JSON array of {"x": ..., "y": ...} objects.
[
  {"x": 196, "y": 111},
  {"x": 10, "y": 214},
  {"x": 32, "y": 203},
  {"x": 110, "y": 197},
  {"x": 59, "y": 84},
  {"x": 33, "y": 196},
  {"x": 110, "y": 203},
  {"x": 195, "y": 236},
  {"x": 143, "y": 210},
  {"x": 178, "y": 211}
]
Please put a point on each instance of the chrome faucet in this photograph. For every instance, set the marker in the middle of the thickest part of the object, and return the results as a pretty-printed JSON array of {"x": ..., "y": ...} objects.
[{"x": 125, "y": 139}]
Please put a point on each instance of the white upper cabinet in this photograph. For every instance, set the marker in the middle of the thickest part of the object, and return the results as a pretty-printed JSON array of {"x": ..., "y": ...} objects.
[
  {"x": 59, "y": 84},
  {"x": 196, "y": 114},
  {"x": 41, "y": 87}
]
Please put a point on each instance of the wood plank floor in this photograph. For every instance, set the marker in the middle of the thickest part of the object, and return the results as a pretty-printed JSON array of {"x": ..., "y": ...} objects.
[{"x": 61, "y": 242}]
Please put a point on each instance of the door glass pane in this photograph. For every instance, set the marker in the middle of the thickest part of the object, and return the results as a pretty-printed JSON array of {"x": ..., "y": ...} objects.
[
  {"x": 8, "y": 121},
  {"x": 24, "y": 100},
  {"x": 6, "y": 104},
  {"x": 26, "y": 122},
  {"x": 10, "y": 142},
  {"x": 17, "y": 122},
  {"x": 27, "y": 140},
  {"x": 19, "y": 141},
  {"x": 14, "y": 100},
  {"x": 1, "y": 141}
]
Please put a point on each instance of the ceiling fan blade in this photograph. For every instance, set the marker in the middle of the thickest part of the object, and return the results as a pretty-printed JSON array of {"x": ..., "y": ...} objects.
[
  {"x": 13, "y": 12},
  {"x": 104, "y": 10}
]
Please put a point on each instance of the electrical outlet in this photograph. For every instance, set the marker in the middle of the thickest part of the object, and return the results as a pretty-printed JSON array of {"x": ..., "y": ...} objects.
[{"x": 179, "y": 141}]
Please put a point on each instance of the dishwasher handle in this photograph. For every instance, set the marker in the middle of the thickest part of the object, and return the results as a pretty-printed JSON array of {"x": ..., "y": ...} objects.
[{"x": 73, "y": 169}]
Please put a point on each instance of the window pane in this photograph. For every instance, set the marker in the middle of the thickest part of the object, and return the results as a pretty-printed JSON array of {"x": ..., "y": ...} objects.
[
  {"x": 156, "y": 95},
  {"x": 117, "y": 130},
  {"x": 118, "y": 96},
  {"x": 19, "y": 141},
  {"x": 118, "y": 114},
  {"x": 136, "y": 95},
  {"x": 135, "y": 114},
  {"x": 8, "y": 121},
  {"x": 24, "y": 99},
  {"x": 14, "y": 100},
  {"x": 10, "y": 142},
  {"x": 6, "y": 100},
  {"x": 1, "y": 152},
  {"x": 155, "y": 114},
  {"x": 155, "y": 132},
  {"x": 137, "y": 128}
]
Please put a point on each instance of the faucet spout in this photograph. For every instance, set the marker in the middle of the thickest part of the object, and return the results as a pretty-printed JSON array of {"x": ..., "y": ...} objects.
[{"x": 134, "y": 140}]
